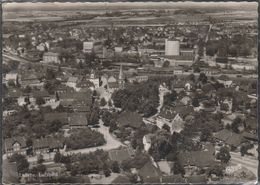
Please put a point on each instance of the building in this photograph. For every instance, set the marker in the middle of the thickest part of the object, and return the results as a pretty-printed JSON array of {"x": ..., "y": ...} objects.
[
  {"x": 147, "y": 142},
  {"x": 94, "y": 79},
  {"x": 77, "y": 120},
  {"x": 47, "y": 145},
  {"x": 51, "y": 57},
  {"x": 120, "y": 154},
  {"x": 30, "y": 79},
  {"x": 172, "y": 47},
  {"x": 11, "y": 76},
  {"x": 15, "y": 145},
  {"x": 88, "y": 46}
]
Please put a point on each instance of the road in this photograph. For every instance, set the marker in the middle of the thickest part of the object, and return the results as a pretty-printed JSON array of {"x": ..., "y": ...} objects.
[{"x": 251, "y": 163}]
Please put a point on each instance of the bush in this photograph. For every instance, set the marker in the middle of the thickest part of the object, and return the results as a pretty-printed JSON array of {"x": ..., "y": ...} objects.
[
  {"x": 115, "y": 167},
  {"x": 103, "y": 102}
]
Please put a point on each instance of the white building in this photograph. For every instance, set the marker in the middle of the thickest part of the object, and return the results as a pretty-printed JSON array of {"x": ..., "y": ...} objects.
[
  {"x": 88, "y": 46},
  {"x": 172, "y": 47},
  {"x": 12, "y": 76},
  {"x": 51, "y": 57}
]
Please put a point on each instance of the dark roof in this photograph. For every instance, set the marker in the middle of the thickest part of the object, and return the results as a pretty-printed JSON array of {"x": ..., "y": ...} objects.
[
  {"x": 61, "y": 116},
  {"x": 120, "y": 154},
  {"x": 148, "y": 170},
  {"x": 38, "y": 94},
  {"x": 121, "y": 179},
  {"x": 113, "y": 85},
  {"x": 78, "y": 119},
  {"x": 229, "y": 137},
  {"x": 197, "y": 158},
  {"x": 173, "y": 179},
  {"x": 251, "y": 121},
  {"x": 249, "y": 136},
  {"x": 130, "y": 119},
  {"x": 197, "y": 179},
  {"x": 208, "y": 87},
  {"x": 48, "y": 143},
  {"x": 10, "y": 141}
]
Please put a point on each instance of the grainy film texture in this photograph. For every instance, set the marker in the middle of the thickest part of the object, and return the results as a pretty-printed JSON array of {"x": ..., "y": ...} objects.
[{"x": 129, "y": 92}]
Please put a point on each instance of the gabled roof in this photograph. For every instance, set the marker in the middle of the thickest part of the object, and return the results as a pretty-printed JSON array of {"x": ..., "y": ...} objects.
[
  {"x": 48, "y": 143},
  {"x": 229, "y": 137},
  {"x": 10, "y": 141},
  {"x": 197, "y": 158},
  {"x": 148, "y": 171},
  {"x": 120, "y": 154},
  {"x": 61, "y": 116},
  {"x": 130, "y": 119},
  {"x": 78, "y": 119}
]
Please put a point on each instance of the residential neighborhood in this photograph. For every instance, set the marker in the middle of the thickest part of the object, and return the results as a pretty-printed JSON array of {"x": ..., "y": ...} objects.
[{"x": 116, "y": 93}]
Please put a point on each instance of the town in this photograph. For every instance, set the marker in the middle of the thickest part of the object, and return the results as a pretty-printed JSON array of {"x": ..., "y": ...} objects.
[{"x": 104, "y": 94}]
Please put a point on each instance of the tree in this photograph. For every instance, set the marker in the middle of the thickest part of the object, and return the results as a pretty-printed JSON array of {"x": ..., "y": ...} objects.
[
  {"x": 27, "y": 89},
  {"x": 223, "y": 155},
  {"x": 21, "y": 162},
  {"x": 217, "y": 170},
  {"x": 57, "y": 157},
  {"x": 170, "y": 97},
  {"x": 205, "y": 134},
  {"x": 196, "y": 70},
  {"x": 178, "y": 169},
  {"x": 235, "y": 124},
  {"x": 166, "y": 127},
  {"x": 103, "y": 102},
  {"x": 40, "y": 159},
  {"x": 191, "y": 77},
  {"x": 11, "y": 83},
  {"x": 195, "y": 102},
  {"x": 203, "y": 78},
  {"x": 106, "y": 170},
  {"x": 40, "y": 101},
  {"x": 50, "y": 74},
  {"x": 115, "y": 167},
  {"x": 166, "y": 64}
]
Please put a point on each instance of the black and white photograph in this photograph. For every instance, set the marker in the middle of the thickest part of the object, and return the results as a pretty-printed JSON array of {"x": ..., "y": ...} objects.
[{"x": 117, "y": 92}]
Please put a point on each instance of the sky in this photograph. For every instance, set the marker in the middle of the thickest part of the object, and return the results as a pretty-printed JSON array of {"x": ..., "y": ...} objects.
[{"x": 125, "y": 5}]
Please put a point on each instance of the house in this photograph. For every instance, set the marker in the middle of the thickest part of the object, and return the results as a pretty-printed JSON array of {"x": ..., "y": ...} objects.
[
  {"x": 229, "y": 138},
  {"x": 78, "y": 120},
  {"x": 30, "y": 79},
  {"x": 120, "y": 154},
  {"x": 148, "y": 171},
  {"x": 56, "y": 116},
  {"x": 47, "y": 145},
  {"x": 223, "y": 79},
  {"x": 147, "y": 142},
  {"x": 251, "y": 123},
  {"x": 194, "y": 161},
  {"x": 178, "y": 86},
  {"x": 137, "y": 79},
  {"x": 130, "y": 119},
  {"x": 51, "y": 57},
  {"x": 94, "y": 79},
  {"x": 72, "y": 82},
  {"x": 44, "y": 95},
  {"x": 86, "y": 84},
  {"x": 15, "y": 145},
  {"x": 11, "y": 76}
]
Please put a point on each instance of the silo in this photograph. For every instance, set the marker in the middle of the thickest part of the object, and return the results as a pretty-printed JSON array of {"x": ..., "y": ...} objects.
[{"x": 172, "y": 47}]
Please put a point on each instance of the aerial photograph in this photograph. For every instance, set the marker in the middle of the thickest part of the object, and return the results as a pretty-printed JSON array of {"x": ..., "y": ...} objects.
[{"x": 129, "y": 92}]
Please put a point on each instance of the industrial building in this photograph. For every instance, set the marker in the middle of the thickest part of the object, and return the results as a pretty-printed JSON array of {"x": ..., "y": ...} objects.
[{"x": 177, "y": 56}]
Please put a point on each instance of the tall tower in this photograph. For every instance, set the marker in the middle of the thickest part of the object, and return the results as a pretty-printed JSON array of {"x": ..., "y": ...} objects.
[{"x": 121, "y": 78}]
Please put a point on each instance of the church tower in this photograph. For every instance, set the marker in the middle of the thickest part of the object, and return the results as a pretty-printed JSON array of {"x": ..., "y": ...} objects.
[{"x": 121, "y": 78}]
